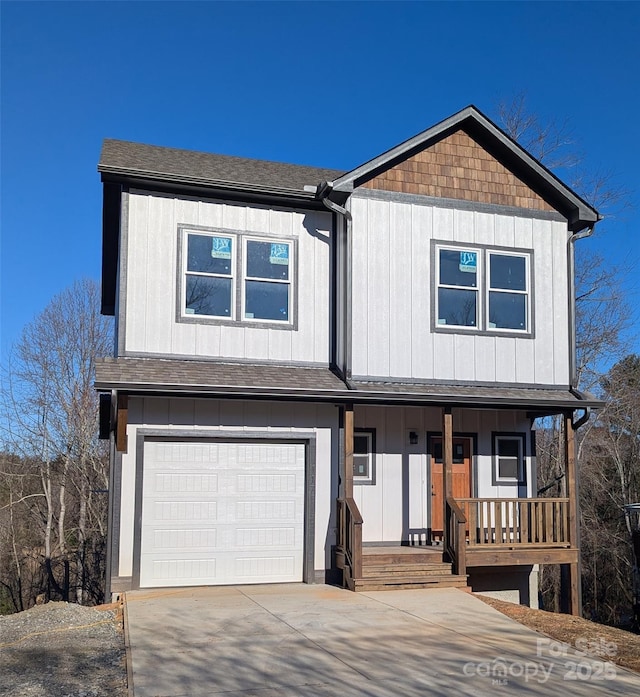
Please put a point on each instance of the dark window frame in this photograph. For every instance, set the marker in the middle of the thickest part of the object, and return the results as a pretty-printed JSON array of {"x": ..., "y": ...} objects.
[
  {"x": 240, "y": 239},
  {"x": 482, "y": 289}
]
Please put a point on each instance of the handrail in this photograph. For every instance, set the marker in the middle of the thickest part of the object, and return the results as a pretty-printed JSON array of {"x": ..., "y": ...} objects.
[
  {"x": 456, "y": 525},
  {"x": 350, "y": 538},
  {"x": 355, "y": 511},
  {"x": 539, "y": 522}
]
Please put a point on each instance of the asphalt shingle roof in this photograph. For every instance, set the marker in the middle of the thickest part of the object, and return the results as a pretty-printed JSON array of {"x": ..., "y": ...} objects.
[
  {"x": 188, "y": 166},
  {"x": 200, "y": 375},
  {"x": 157, "y": 375},
  {"x": 475, "y": 393}
]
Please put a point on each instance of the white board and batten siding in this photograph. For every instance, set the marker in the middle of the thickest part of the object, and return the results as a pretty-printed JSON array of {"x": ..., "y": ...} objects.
[
  {"x": 226, "y": 511},
  {"x": 150, "y": 295},
  {"x": 392, "y": 286}
]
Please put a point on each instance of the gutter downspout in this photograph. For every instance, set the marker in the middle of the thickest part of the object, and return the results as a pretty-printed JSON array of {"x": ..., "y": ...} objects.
[
  {"x": 583, "y": 419},
  {"x": 323, "y": 193},
  {"x": 581, "y": 234}
]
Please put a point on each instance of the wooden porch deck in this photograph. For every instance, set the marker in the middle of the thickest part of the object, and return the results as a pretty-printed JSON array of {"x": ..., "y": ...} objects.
[
  {"x": 479, "y": 533},
  {"x": 495, "y": 555}
]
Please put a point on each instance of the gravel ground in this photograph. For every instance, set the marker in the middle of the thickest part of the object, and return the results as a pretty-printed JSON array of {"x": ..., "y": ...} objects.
[{"x": 63, "y": 650}]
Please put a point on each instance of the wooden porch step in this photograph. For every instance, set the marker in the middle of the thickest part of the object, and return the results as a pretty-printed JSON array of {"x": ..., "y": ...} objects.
[
  {"x": 410, "y": 581},
  {"x": 393, "y": 557},
  {"x": 425, "y": 569},
  {"x": 398, "y": 568}
]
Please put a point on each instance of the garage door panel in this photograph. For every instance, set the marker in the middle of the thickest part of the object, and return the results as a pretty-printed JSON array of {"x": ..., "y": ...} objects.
[
  {"x": 173, "y": 539},
  {"x": 262, "y": 483},
  {"x": 272, "y": 538},
  {"x": 259, "y": 568},
  {"x": 237, "y": 518},
  {"x": 183, "y": 572},
  {"x": 181, "y": 482},
  {"x": 162, "y": 539},
  {"x": 180, "y": 511}
]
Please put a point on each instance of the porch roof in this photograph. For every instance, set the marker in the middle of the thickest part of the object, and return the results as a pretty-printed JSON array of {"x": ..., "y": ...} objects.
[
  {"x": 485, "y": 395},
  {"x": 158, "y": 376}
]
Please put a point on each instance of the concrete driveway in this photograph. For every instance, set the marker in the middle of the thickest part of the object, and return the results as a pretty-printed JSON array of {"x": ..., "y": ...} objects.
[{"x": 318, "y": 641}]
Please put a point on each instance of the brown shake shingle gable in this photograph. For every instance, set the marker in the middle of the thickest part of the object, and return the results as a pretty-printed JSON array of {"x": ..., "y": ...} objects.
[{"x": 515, "y": 159}]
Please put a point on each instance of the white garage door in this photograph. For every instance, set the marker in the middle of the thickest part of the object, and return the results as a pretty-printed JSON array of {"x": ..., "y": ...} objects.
[{"x": 221, "y": 513}]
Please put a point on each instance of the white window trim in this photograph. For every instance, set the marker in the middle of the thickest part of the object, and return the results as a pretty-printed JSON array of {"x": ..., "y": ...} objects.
[
  {"x": 290, "y": 282},
  {"x": 186, "y": 272},
  {"x": 475, "y": 289},
  {"x": 482, "y": 289},
  {"x": 510, "y": 481},
  {"x": 526, "y": 292}
]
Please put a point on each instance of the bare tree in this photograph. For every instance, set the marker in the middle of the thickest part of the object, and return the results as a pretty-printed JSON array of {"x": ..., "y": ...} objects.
[
  {"x": 611, "y": 468},
  {"x": 550, "y": 141},
  {"x": 50, "y": 420}
]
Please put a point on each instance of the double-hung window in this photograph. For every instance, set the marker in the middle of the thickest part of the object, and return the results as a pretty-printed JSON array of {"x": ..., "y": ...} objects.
[
  {"x": 481, "y": 289},
  {"x": 508, "y": 291},
  {"x": 508, "y": 457},
  {"x": 364, "y": 448},
  {"x": 267, "y": 280},
  {"x": 209, "y": 276},
  {"x": 458, "y": 287},
  {"x": 236, "y": 277}
]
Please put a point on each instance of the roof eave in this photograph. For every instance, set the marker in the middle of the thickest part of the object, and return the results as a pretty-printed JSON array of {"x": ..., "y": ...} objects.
[
  {"x": 342, "y": 396},
  {"x": 579, "y": 213},
  {"x": 130, "y": 175}
]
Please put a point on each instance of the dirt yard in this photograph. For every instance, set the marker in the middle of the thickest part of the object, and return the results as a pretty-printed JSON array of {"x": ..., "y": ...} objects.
[{"x": 610, "y": 644}]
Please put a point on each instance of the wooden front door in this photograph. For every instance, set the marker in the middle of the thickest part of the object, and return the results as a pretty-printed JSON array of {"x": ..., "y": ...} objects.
[{"x": 461, "y": 479}]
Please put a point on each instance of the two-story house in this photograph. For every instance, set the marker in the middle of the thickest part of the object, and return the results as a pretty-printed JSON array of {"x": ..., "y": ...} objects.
[{"x": 325, "y": 375}]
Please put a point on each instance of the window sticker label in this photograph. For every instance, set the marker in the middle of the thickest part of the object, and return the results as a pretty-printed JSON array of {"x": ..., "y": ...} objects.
[
  {"x": 221, "y": 248},
  {"x": 468, "y": 262},
  {"x": 279, "y": 254}
]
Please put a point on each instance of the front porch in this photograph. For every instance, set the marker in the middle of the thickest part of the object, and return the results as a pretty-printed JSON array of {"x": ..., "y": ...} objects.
[{"x": 477, "y": 532}]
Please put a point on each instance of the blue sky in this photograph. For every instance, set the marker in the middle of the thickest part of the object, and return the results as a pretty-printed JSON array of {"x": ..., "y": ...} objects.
[{"x": 329, "y": 84}]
